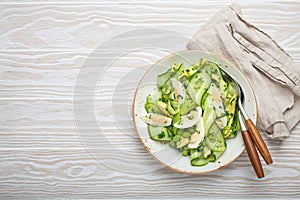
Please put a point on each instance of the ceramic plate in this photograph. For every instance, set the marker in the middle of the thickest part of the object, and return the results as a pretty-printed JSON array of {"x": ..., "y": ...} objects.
[{"x": 172, "y": 157}]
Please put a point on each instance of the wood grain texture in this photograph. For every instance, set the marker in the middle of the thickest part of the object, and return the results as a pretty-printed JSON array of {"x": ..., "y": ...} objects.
[
  {"x": 43, "y": 151},
  {"x": 252, "y": 154}
]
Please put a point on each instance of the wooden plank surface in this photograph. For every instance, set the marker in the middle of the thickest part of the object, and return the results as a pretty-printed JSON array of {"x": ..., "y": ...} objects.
[{"x": 43, "y": 150}]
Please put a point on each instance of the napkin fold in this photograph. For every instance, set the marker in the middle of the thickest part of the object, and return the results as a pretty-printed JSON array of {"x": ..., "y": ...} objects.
[{"x": 271, "y": 71}]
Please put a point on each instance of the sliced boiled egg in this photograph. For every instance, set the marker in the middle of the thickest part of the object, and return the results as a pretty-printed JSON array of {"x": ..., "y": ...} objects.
[
  {"x": 198, "y": 136},
  {"x": 190, "y": 119},
  {"x": 217, "y": 100},
  {"x": 221, "y": 122},
  {"x": 156, "y": 119},
  {"x": 179, "y": 90}
]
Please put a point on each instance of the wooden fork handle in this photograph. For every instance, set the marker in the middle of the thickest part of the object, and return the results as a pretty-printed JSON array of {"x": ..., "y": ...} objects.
[
  {"x": 252, "y": 154},
  {"x": 258, "y": 141}
]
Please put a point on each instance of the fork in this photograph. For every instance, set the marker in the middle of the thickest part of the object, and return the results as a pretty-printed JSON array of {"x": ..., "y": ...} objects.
[{"x": 255, "y": 135}]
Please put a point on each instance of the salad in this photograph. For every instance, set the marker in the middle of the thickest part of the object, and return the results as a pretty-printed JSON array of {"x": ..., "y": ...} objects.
[{"x": 193, "y": 110}]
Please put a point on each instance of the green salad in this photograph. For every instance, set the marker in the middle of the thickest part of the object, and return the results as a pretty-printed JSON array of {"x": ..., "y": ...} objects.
[{"x": 193, "y": 110}]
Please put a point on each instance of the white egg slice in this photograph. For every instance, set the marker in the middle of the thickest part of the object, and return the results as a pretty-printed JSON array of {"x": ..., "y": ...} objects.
[
  {"x": 179, "y": 90},
  {"x": 156, "y": 119},
  {"x": 221, "y": 122},
  {"x": 217, "y": 100},
  {"x": 198, "y": 135},
  {"x": 190, "y": 119}
]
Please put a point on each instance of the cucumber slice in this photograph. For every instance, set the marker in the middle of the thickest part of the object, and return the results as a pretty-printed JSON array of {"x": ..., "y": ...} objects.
[
  {"x": 198, "y": 79},
  {"x": 213, "y": 68},
  {"x": 205, "y": 77},
  {"x": 196, "y": 153},
  {"x": 223, "y": 89},
  {"x": 164, "y": 78},
  {"x": 220, "y": 145},
  {"x": 215, "y": 139},
  {"x": 153, "y": 98},
  {"x": 152, "y": 108},
  {"x": 200, "y": 93},
  {"x": 212, "y": 158},
  {"x": 182, "y": 142},
  {"x": 150, "y": 105},
  {"x": 197, "y": 157},
  {"x": 209, "y": 117},
  {"x": 203, "y": 99},
  {"x": 159, "y": 133},
  {"x": 208, "y": 103},
  {"x": 200, "y": 161},
  {"x": 217, "y": 154},
  {"x": 187, "y": 106}
]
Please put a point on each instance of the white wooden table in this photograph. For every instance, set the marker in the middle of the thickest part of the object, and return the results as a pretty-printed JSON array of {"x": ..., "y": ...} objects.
[{"x": 43, "y": 153}]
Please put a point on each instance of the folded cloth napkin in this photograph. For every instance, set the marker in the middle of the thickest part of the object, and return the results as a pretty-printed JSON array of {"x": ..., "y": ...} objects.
[{"x": 271, "y": 71}]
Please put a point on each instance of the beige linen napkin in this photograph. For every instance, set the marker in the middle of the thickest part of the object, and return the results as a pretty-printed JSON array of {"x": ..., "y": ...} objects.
[{"x": 271, "y": 71}]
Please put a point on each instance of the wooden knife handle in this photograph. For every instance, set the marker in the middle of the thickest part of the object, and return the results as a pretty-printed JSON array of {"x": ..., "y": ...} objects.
[
  {"x": 252, "y": 154},
  {"x": 258, "y": 141}
]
